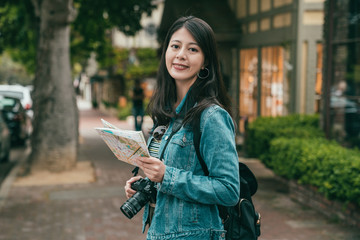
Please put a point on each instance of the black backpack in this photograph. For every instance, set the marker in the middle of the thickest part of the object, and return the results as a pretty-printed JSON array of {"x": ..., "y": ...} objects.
[{"x": 240, "y": 221}]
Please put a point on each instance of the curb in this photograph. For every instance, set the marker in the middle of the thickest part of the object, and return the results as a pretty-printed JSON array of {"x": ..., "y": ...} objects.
[
  {"x": 10, "y": 178},
  {"x": 308, "y": 196}
]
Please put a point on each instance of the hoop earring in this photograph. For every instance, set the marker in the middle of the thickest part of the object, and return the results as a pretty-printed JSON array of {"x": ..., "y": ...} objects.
[{"x": 207, "y": 74}]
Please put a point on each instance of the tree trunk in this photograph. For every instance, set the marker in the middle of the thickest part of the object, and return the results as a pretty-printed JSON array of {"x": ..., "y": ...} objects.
[{"x": 55, "y": 132}]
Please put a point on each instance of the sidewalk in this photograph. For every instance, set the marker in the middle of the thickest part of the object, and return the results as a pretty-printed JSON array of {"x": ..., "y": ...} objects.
[{"x": 89, "y": 209}]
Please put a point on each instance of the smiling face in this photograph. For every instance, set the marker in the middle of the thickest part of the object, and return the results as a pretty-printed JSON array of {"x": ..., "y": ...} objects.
[{"x": 184, "y": 58}]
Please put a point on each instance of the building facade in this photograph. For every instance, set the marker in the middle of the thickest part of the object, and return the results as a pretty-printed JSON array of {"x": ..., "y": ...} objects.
[
  {"x": 286, "y": 56},
  {"x": 271, "y": 52},
  {"x": 279, "y": 57}
]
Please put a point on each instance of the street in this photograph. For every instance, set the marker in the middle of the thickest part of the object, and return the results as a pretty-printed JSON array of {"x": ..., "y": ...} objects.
[
  {"x": 16, "y": 154},
  {"x": 79, "y": 210},
  {"x": 84, "y": 204}
]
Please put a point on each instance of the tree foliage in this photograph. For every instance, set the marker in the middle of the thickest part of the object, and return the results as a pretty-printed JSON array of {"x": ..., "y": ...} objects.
[
  {"x": 90, "y": 31},
  {"x": 12, "y": 72},
  {"x": 18, "y": 31},
  {"x": 146, "y": 64},
  {"x": 37, "y": 33}
]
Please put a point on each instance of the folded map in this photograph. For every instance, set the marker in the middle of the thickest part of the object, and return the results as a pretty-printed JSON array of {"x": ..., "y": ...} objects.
[{"x": 125, "y": 144}]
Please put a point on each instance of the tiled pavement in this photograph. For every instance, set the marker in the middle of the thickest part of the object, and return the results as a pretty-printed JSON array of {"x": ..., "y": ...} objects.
[{"x": 90, "y": 211}]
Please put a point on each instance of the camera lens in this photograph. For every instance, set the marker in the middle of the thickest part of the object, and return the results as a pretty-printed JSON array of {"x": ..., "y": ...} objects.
[
  {"x": 128, "y": 210},
  {"x": 134, "y": 204}
]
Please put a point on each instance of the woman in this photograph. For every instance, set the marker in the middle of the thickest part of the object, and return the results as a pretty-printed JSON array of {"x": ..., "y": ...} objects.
[{"x": 189, "y": 86}]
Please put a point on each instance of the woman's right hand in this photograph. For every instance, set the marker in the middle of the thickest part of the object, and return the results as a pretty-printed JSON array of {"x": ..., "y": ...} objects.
[{"x": 128, "y": 190}]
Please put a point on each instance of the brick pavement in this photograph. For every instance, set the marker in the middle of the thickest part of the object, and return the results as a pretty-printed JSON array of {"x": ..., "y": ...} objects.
[{"x": 90, "y": 211}]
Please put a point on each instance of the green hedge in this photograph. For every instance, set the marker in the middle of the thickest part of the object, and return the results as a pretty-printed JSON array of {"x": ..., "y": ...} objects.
[
  {"x": 124, "y": 112},
  {"x": 331, "y": 168},
  {"x": 261, "y": 131},
  {"x": 295, "y": 148}
]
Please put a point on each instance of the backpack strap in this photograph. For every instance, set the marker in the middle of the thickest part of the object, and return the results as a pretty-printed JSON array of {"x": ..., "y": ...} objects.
[
  {"x": 246, "y": 174},
  {"x": 197, "y": 137}
]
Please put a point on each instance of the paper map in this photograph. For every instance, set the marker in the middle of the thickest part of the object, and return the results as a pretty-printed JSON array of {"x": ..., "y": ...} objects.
[{"x": 125, "y": 144}]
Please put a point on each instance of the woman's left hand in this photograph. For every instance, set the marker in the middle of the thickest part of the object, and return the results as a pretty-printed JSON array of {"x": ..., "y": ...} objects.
[{"x": 153, "y": 168}]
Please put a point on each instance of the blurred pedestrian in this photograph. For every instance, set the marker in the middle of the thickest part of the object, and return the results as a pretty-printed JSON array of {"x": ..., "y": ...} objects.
[
  {"x": 189, "y": 85},
  {"x": 138, "y": 105}
]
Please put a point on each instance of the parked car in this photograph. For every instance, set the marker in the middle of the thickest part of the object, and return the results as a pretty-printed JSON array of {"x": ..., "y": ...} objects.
[
  {"x": 20, "y": 92},
  {"x": 5, "y": 140},
  {"x": 17, "y": 120}
]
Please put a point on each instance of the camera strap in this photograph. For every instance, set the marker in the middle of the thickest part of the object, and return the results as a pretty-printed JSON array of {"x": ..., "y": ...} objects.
[
  {"x": 190, "y": 103},
  {"x": 175, "y": 128}
]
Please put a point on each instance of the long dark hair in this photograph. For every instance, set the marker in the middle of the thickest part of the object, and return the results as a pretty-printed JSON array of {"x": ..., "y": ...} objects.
[{"x": 204, "y": 92}]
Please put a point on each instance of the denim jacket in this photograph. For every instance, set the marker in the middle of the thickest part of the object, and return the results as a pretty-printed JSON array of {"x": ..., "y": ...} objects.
[{"x": 186, "y": 199}]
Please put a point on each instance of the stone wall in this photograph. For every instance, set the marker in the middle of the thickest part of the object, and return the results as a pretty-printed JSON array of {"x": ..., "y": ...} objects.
[{"x": 308, "y": 196}]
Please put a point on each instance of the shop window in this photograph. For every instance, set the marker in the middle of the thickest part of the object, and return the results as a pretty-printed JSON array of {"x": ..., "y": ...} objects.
[
  {"x": 274, "y": 92},
  {"x": 313, "y": 18},
  {"x": 248, "y": 86},
  {"x": 318, "y": 81},
  {"x": 241, "y": 9},
  {"x": 265, "y": 24},
  {"x": 273, "y": 81},
  {"x": 345, "y": 94},
  {"x": 303, "y": 76},
  {"x": 282, "y": 20},
  {"x": 265, "y": 5},
  {"x": 344, "y": 80},
  {"x": 253, "y": 7},
  {"x": 253, "y": 27}
]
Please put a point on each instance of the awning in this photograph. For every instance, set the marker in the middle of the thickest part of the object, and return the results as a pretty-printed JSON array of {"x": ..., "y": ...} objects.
[{"x": 216, "y": 13}]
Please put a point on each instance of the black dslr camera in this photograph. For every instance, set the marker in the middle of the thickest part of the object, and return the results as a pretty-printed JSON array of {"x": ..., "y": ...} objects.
[{"x": 146, "y": 191}]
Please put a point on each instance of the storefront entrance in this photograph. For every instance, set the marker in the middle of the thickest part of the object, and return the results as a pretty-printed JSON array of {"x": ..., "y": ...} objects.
[{"x": 272, "y": 79}]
